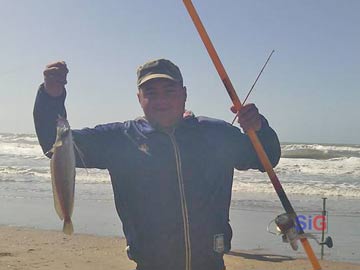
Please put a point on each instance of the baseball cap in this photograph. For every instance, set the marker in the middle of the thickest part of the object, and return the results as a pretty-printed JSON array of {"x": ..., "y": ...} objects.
[{"x": 159, "y": 68}]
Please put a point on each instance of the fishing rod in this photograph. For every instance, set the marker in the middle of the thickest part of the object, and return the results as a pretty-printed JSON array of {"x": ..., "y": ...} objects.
[{"x": 251, "y": 133}]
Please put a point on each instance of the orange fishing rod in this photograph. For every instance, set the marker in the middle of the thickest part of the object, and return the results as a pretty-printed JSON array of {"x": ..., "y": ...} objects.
[{"x": 251, "y": 133}]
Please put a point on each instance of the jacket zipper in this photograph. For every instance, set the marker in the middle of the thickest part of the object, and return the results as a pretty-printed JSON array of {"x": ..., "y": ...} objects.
[{"x": 185, "y": 214}]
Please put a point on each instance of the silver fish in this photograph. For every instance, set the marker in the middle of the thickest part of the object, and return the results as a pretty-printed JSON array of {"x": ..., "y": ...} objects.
[{"x": 62, "y": 167}]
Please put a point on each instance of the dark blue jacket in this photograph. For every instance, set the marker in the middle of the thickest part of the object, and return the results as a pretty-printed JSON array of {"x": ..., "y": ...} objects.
[{"x": 172, "y": 191}]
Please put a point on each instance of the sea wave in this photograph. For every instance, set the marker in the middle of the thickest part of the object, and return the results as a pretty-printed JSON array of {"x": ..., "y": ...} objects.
[
  {"x": 21, "y": 150},
  {"x": 42, "y": 174},
  {"x": 335, "y": 177},
  {"x": 339, "y": 167},
  {"x": 319, "y": 151},
  {"x": 318, "y": 169},
  {"x": 18, "y": 138},
  {"x": 316, "y": 189}
]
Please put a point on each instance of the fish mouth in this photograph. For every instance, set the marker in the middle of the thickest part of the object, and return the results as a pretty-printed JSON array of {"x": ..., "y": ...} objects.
[
  {"x": 63, "y": 128},
  {"x": 62, "y": 122}
]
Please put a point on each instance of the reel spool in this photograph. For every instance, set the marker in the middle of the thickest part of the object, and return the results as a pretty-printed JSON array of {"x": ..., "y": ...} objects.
[{"x": 286, "y": 227}]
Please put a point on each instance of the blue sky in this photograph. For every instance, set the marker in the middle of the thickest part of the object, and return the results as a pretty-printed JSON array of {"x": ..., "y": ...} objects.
[{"x": 309, "y": 91}]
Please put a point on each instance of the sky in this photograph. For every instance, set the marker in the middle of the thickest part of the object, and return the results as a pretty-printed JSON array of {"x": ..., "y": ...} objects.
[{"x": 309, "y": 92}]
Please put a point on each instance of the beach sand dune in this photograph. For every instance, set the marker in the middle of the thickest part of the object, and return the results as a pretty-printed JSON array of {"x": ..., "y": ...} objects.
[{"x": 24, "y": 248}]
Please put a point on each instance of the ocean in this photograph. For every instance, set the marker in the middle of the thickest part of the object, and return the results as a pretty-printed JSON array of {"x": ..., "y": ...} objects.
[{"x": 308, "y": 173}]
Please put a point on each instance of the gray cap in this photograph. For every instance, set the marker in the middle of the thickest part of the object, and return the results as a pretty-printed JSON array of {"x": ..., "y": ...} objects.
[{"x": 159, "y": 68}]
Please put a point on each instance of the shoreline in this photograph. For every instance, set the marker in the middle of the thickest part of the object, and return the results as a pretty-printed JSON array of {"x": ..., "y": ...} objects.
[
  {"x": 27, "y": 248},
  {"x": 99, "y": 218}
]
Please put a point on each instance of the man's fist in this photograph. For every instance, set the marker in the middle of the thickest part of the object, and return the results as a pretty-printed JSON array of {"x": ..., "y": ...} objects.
[
  {"x": 248, "y": 117},
  {"x": 55, "y": 78}
]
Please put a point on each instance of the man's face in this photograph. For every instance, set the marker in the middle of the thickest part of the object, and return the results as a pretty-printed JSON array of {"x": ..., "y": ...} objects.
[{"x": 163, "y": 102}]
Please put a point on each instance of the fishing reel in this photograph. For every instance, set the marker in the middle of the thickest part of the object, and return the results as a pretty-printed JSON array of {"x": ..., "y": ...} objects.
[{"x": 286, "y": 226}]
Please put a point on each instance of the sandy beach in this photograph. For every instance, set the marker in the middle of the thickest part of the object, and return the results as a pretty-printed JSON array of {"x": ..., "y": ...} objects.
[
  {"x": 30, "y": 230},
  {"x": 25, "y": 248}
]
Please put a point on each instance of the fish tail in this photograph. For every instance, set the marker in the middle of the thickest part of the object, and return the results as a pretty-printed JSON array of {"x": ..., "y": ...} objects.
[{"x": 68, "y": 227}]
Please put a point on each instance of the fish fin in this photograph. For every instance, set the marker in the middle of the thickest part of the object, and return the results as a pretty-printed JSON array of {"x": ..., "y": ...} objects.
[
  {"x": 71, "y": 210},
  {"x": 51, "y": 151},
  {"x": 68, "y": 227},
  {"x": 81, "y": 156},
  {"x": 56, "y": 144},
  {"x": 57, "y": 201}
]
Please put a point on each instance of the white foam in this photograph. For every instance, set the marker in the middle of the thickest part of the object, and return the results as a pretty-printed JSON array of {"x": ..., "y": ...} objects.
[
  {"x": 328, "y": 170},
  {"x": 92, "y": 176},
  {"x": 331, "y": 167},
  {"x": 330, "y": 178},
  {"x": 22, "y": 138},
  {"x": 21, "y": 150}
]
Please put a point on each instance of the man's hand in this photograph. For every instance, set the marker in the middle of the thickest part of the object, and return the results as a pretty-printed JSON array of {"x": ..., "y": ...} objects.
[
  {"x": 248, "y": 117},
  {"x": 55, "y": 78}
]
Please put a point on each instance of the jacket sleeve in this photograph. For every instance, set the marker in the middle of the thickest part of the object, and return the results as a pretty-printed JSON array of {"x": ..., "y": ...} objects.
[
  {"x": 90, "y": 142},
  {"x": 244, "y": 154}
]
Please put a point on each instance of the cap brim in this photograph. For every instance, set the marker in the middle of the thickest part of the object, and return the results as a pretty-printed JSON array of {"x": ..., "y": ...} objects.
[{"x": 155, "y": 76}]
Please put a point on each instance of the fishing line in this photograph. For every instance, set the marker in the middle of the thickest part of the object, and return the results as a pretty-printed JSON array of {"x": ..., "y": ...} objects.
[{"x": 252, "y": 87}]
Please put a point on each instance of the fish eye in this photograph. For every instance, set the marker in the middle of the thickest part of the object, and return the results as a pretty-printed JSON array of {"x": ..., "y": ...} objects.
[{"x": 65, "y": 133}]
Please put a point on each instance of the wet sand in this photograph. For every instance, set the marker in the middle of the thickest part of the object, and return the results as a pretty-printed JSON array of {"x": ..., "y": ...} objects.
[{"x": 25, "y": 248}]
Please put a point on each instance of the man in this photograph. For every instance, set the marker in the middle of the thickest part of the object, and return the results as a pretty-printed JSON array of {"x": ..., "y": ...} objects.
[{"x": 171, "y": 172}]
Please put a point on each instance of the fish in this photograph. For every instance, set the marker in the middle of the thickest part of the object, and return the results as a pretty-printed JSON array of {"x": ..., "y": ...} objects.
[{"x": 62, "y": 167}]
